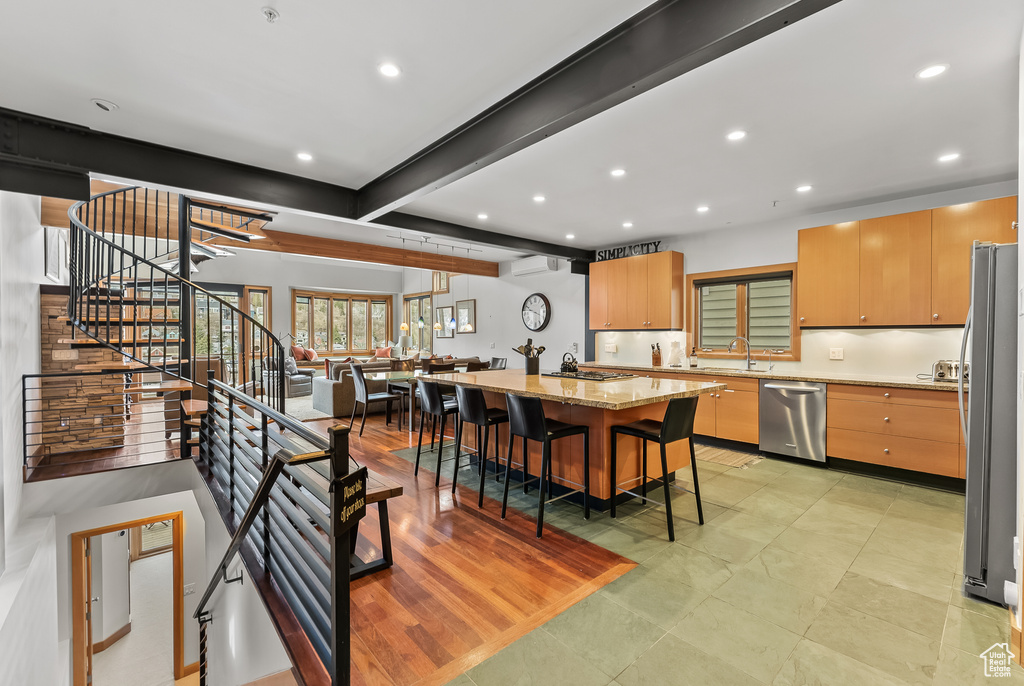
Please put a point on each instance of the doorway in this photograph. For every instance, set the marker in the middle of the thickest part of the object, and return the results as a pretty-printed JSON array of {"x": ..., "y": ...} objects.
[{"x": 82, "y": 647}]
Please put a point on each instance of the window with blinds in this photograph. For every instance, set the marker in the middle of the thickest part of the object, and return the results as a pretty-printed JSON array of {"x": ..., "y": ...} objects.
[
  {"x": 718, "y": 315},
  {"x": 759, "y": 309},
  {"x": 769, "y": 306}
]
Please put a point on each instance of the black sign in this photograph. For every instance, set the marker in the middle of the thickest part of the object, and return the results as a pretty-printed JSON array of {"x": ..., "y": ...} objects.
[
  {"x": 628, "y": 251},
  {"x": 351, "y": 501}
]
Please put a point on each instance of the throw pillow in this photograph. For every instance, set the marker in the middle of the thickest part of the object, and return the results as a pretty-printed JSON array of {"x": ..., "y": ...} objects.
[
  {"x": 310, "y": 354},
  {"x": 382, "y": 353},
  {"x": 449, "y": 357},
  {"x": 289, "y": 366},
  {"x": 298, "y": 353}
]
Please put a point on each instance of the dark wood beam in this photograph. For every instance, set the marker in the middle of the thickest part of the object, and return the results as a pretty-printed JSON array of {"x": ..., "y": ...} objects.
[{"x": 663, "y": 41}]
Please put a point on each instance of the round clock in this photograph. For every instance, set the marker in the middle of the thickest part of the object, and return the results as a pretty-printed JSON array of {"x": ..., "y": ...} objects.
[{"x": 536, "y": 312}]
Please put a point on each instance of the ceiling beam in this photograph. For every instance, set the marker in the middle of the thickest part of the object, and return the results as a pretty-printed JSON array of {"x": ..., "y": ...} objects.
[
  {"x": 300, "y": 244},
  {"x": 436, "y": 227},
  {"x": 665, "y": 40}
]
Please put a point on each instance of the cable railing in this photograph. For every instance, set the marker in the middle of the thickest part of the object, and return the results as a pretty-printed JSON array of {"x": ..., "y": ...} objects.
[{"x": 280, "y": 510}]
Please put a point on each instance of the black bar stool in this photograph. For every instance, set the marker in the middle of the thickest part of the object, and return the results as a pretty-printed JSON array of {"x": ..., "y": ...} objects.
[
  {"x": 473, "y": 409},
  {"x": 498, "y": 362},
  {"x": 433, "y": 404},
  {"x": 362, "y": 396},
  {"x": 677, "y": 425},
  {"x": 526, "y": 420}
]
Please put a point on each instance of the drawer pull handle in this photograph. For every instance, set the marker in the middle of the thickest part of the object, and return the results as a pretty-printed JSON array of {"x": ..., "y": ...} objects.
[
  {"x": 886, "y": 395},
  {"x": 935, "y": 316},
  {"x": 802, "y": 319},
  {"x": 863, "y": 318},
  {"x": 885, "y": 450},
  {"x": 885, "y": 419}
]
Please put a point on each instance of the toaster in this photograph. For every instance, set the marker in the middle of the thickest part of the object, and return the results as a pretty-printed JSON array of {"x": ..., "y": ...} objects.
[{"x": 948, "y": 370}]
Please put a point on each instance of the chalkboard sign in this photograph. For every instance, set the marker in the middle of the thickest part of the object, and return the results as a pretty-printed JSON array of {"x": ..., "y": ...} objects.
[{"x": 352, "y": 508}]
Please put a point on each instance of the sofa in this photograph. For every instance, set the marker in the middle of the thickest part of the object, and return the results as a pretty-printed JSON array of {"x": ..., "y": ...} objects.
[{"x": 335, "y": 393}]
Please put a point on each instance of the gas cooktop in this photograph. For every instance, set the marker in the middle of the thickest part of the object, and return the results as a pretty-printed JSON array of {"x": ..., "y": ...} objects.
[{"x": 591, "y": 376}]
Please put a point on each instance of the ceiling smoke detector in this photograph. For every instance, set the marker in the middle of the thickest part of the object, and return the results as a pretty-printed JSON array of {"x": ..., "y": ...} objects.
[
  {"x": 104, "y": 105},
  {"x": 270, "y": 14}
]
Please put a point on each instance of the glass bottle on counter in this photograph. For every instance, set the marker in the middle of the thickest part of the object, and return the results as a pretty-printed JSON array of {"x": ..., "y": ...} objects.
[{"x": 693, "y": 357}]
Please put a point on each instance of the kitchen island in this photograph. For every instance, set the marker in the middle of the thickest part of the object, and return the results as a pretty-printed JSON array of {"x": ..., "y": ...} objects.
[{"x": 597, "y": 404}]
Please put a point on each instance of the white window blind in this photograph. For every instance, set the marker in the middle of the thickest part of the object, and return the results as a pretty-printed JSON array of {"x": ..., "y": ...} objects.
[
  {"x": 769, "y": 304},
  {"x": 717, "y": 315}
]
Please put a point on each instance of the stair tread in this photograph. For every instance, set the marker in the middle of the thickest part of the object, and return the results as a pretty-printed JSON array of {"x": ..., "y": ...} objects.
[
  {"x": 160, "y": 386},
  {"x": 194, "y": 408}
]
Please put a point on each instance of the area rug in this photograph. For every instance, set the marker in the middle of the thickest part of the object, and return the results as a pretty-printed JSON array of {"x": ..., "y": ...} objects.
[
  {"x": 302, "y": 409},
  {"x": 731, "y": 458}
]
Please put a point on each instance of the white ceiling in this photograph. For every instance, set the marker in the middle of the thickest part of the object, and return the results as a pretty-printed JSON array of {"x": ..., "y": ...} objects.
[{"x": 831, "y": 101}]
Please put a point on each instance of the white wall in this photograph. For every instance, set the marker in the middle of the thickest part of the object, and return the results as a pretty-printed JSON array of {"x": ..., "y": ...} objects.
[
  {"x": 110, "y": 583},
  {"x": 21, "y": 272},
  {"x": 1020, "y": 346},
  {"x": 499, "y": 322},
  {"x": 283, "y": 272}
]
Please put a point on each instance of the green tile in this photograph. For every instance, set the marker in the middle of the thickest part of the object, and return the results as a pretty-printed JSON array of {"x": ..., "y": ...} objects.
[
  {"x": 957, "y": 668},
  {"x": 981, "y": 607},
  {"x": 858, "y": 497},
  {"x": 674, "y": 662},
  {"x": 813, "y": 663},
  {"x": 892, "y": 649},
  {"x": 733, "y": 536},
  {"x": 779, "y": 603},
  {"x": 926, "y": 580},
  {"x": 825, "y": 524},
  {"x": 819, "y": 547},
  {"x": 637, "y": 544},
  {"x": 604, "y": 633},
  {"x": 684, "y": 517},
  {"x": 693, "y": 568},
  {"x": 657, "y": 597},
  {"x": 461, "y": 680},
  {"x": 762, "y": 472},
  {"x": 771, "y": 504},
  {"x": 948, "y": 518},
  {"x": 920, "y": 614},
  {"x": 809, "y": 480},
  {"x": 537, "y": 658},
  {"x": 739, "y": 638},
  {"x": 845, "y": 513},
  {"x": 703, "y": 466},
  {"x": 915, "y": 543},
  {"x": 726, "y": 489},
  {"x": 815, "y": 576},
  {"x": 972, "y": 632},
  {"x": 933, "y": 496},
  {"x": 871, "y": 484}
]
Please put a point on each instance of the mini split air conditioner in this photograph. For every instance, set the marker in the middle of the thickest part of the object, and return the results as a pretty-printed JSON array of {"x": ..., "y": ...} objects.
[{"x": 534, "y": 265}]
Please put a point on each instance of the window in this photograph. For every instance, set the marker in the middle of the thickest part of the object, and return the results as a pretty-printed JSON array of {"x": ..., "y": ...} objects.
[
  {"x": 333, "y": 323},
  {"x": 417, "y": 306},
  {"x": 756, "y": 304}
]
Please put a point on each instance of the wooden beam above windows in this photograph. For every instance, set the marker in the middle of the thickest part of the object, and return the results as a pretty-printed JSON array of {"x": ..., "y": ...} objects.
[{"x": 299, "y": 244}]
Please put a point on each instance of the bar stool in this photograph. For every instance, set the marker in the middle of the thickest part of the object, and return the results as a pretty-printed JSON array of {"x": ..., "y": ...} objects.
[
  {"x": 404, "y": 388},
  {"x": 677, "y": 425},
  {"x": 473, "y": 409},
  {"x": 433, "y": 404},
  {"x": 526, "y": 420},
  {"x": 498, "y": 362},
  {"x": 362, "y": 396}
]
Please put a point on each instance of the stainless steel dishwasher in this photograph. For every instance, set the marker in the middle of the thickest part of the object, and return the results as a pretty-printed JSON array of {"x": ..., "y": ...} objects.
[{"x": 792, "y": 419}]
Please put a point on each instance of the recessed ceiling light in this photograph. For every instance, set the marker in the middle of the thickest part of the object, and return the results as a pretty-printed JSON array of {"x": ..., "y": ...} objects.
[
  {"x": 737, "y": 135},
  {"x": 703, "y": 208},
  {"x": 104, "y": 105},
  {"x": 932, "y": 71},
  {"x": 539, "y": 198},
  {"x": 304, "y": 156},
  {"x": 618, "y": 172},
  {"x": 388, "y": 69},
  {"x": 570, "y": 236},
  {"x": 627, "y": 225},
  {"x": 481, "y": 216},
  {"x": 803, "y": 189},
  {"x": 949, "y": 157}
]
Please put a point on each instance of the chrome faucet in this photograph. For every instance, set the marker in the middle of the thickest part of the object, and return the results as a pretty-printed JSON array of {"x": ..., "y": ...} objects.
[
  {"x": 769, "y": 351},
  {"x": 741, "y": 338}
]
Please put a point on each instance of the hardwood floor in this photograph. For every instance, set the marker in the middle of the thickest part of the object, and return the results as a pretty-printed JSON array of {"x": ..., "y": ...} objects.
[{"x": 465, "y": 584}]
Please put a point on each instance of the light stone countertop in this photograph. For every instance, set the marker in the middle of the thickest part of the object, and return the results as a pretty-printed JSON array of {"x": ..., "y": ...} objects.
[
  {"x": 851, "y": 379},
  {"x": 607, "y": 395}
]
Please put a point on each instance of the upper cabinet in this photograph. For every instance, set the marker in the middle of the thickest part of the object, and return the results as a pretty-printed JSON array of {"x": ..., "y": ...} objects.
[
  {"x": 903, "y": 270},
  {"x": 639, "y": 292},
  {"x": 954, "y": 230}
]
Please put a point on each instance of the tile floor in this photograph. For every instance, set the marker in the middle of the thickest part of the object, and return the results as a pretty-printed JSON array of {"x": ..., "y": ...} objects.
[{"x": 800, "y": 575}]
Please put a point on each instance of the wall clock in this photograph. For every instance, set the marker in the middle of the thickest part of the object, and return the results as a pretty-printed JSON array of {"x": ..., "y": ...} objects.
[{"x": 536, "y": 312}]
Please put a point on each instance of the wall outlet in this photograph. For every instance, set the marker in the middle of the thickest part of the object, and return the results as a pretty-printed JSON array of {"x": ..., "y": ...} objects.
[
  {"x": 492, "y": 346},
  {"x": 611, "y": 348},
  {"x": 190, "y": 589},
  {"x": 64, "y": 355},
  {"x": 835, "y": 353},
  {"x": 65, "y": 422}
]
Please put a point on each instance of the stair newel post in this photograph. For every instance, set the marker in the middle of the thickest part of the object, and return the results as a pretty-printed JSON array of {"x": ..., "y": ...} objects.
[
  {"x": 340, "y": 563},
  {"x": 184, "y": 299}
]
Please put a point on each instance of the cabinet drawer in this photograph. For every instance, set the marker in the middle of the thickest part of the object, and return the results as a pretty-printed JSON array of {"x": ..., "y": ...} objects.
[
  {"x": 731, "y": 382},
  {"x": 915, "y": 454},
  {"x": 912, "y": 421},
  {"x": 895, "y": 396}
]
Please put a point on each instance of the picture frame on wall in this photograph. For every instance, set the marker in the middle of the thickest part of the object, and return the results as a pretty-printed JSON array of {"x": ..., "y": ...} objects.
[
  {"x": 444, "y": 318},
  {"x": 465, "y": 316}
]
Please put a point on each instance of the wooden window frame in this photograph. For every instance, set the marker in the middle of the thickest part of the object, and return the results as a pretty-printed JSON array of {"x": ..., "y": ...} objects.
[
  {"x": 428, "y": 326},
  {"x": 331, "y": 296},
  {"x": 436, "y": 285},
  {"x": 741, "y": 275}
]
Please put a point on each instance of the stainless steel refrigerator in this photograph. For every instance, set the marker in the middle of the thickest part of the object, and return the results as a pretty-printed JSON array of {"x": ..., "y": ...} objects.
[{"x": 991, "y": 424}]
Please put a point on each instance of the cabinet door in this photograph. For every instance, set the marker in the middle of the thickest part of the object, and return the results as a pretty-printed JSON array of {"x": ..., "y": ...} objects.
[
  {"x": 618, "y": 299},
  {"x": 635, "y": 294},
  {"x": 704, "y": 419},
  {"x": 828, "y": 287},
  {"x": 896, "y": 270},
  {"x": 599, "y": 295},
  {"x": 954, "y": 229},
  {"x": 736, "y": 415},
  {"x": 666, "y": 285}
]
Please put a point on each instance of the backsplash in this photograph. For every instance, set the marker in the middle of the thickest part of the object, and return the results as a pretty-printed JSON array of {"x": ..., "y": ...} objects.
[{"x": 884, "y": 352}]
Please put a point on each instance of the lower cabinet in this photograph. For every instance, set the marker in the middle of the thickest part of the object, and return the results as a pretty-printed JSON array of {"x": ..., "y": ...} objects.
[
  {"x": 731, "y": 413},
  {"x": 917, "y": 430}
]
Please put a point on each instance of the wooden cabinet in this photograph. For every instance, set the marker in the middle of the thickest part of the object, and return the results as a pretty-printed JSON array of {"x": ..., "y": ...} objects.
[
  {"x": 954, "y": 230},
  {"x": 731, "y": 413},
  {"x": 896, "y": 270},
  {"x": 639, "y": 292},
  {"x": 828, "y": 269},
  {"x": 911, "y": 429}
]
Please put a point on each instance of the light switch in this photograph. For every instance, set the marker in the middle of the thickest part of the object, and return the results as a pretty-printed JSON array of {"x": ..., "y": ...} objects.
[
  {"x": 611, "y": 348},
  {"x": 189, "y": 589},
  {"x": 574, "y": 348},
  {"x": 835, "y": 353}
]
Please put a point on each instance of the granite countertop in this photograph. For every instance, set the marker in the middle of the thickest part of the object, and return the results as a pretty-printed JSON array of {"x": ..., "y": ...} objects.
[
  {"x": 851, "y": 379},
  {"x": 607, "y": 395}
]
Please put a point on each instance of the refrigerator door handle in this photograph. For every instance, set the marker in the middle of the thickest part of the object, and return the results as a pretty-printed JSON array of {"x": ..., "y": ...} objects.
[{"x": 960, "y": 377}]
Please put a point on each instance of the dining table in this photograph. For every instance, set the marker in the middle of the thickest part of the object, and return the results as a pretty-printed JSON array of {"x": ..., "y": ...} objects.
[{"x": 406, "y": 379}]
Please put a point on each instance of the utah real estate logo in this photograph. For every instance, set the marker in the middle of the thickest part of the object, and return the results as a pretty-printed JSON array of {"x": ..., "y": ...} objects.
[{"x": 997, "y": 660}]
